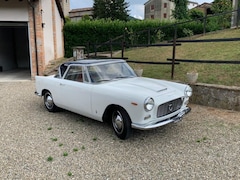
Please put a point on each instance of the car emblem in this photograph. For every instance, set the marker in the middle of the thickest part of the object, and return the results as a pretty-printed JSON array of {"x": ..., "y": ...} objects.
[{"x": 170, "y": 107}]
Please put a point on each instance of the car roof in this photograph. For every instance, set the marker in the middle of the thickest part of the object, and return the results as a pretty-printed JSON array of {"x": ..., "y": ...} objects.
[{"x": 92, "y": 61}]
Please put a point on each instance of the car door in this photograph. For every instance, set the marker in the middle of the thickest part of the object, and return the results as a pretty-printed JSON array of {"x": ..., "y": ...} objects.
[{"x": 76, "y": 91}]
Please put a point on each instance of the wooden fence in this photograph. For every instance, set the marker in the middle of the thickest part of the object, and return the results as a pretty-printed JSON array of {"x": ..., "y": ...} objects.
[{"x": 174, "y": 43}]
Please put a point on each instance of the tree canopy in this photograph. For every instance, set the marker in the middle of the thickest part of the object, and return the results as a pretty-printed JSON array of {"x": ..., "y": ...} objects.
[
  {"x": 181, "y": 9},
  {"x": 111, "y": 9},
  {"x": 220, "y": 6}
]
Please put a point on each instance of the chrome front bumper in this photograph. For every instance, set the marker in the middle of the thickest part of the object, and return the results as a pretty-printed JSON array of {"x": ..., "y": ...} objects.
[{"x": 175, "y": 119}]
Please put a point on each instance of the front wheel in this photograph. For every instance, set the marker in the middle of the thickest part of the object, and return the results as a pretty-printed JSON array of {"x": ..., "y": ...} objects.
[
  {"x": 121, "y": 123},
  {"x": 48, "y": 102}
]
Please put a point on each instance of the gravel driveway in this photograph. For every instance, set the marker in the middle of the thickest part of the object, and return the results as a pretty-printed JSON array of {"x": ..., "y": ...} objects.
[{"x": 205, "y": 145}]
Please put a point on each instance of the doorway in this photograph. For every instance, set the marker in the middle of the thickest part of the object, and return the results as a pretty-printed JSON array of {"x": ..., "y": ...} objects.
[{"x": 14, "y": 47}]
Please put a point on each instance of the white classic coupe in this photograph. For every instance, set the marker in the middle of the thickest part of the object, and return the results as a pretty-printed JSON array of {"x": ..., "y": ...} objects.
[{"x": 109, "y": 90}]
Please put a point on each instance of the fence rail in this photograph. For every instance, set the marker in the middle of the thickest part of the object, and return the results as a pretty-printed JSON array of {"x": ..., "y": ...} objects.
[
  {"x": 206, "y": 61},
  {"x": 207, "y": 40},
  {"x": 149, "y": 62},
  {"x": 174, "y": 43}
]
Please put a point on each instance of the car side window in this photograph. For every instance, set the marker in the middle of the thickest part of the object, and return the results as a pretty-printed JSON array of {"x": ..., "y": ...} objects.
[
  {"x": 75, "y": 73},
  {"x": 94, "y": 73}
]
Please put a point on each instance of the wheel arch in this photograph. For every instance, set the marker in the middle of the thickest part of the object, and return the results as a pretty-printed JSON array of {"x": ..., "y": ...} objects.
[
  {"x": 44, "y": 91},
  {"x": 107, "y": 113}
]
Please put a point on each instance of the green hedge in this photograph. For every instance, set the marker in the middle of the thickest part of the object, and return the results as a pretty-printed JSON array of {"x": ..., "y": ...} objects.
[{"x": 83, "y": 32}]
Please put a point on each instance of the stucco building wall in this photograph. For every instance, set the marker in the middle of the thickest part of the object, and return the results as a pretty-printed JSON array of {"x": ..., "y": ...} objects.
[
  {"x": 158, "y": 9},
  {"x": 59, "y": 36},
  {"x": 13, "y": 11},
  {"x": 36, "y": 25}
]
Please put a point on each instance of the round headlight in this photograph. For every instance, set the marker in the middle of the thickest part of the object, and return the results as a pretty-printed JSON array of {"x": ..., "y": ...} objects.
[
  {"x": 188, "y": 91},
  {"x": 149, "y": 104}
]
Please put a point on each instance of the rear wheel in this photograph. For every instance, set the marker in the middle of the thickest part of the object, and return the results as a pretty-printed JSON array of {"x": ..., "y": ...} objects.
[
  {"x": 48, "y": 102},
  {"x": 121, "y": 123}
]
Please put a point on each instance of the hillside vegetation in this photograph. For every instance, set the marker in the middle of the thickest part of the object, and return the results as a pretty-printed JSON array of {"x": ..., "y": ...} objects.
[{"x": 223, "y": 74}]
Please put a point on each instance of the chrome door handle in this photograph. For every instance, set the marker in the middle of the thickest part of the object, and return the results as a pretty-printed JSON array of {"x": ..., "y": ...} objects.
[{"x": 61, "y": 84}]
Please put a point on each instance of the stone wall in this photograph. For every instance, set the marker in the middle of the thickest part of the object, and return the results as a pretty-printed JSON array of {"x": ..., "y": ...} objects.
[{"x": 225, "y": 97}]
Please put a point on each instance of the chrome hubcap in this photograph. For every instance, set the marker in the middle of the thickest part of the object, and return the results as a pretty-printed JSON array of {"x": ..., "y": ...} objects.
[
  {"x": 49, "y": 101},
  {"x": 117, "y": 122}
]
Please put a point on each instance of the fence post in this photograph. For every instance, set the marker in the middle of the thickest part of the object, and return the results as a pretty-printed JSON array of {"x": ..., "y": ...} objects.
[
  {"x": 95, "y": 50},
  {"x": 149, "y": 37},
  {"x": 123, "y": 44},
  {"x": 174, "y": 50},
  {"x": 88, "y": 49},
  {"x": 111, "y": 48},
  {"x": 204, "y": 25}
]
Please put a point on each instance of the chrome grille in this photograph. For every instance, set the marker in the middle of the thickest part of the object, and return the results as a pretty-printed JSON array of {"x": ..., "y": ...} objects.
[{"x": 169, "y": 107}]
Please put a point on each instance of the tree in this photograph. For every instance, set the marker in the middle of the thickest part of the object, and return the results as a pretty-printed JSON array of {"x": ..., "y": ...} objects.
[
  {"x": 181, "y": 9},
  {"x": 111, "y": 9},
  {"x": 196, "y": 14},
  {"x": 220, "y": 6}
]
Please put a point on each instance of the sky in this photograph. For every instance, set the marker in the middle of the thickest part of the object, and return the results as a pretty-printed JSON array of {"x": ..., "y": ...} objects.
[{"x": 136, "y": 6}]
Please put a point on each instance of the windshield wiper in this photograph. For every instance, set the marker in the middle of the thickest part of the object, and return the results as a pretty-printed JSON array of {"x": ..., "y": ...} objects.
[
  {"x": 102, "y": 80},
  {"x": 121, "y": 77}
]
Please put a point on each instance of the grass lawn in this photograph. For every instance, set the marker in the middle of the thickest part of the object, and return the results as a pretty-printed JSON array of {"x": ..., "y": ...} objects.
[{"x": 224, "y": 74}]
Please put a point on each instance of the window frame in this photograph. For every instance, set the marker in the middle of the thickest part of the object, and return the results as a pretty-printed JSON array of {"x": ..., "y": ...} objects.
[{"x": 73, "y": 73}]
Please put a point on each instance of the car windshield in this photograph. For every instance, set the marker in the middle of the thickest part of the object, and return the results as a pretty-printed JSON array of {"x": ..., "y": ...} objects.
[{"x": 110, "y": 71}]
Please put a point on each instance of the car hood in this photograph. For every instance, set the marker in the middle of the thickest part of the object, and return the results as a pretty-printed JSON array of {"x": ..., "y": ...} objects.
[
  {"x": 143, "y": 85},
  {"x": 147, "y": 84}
]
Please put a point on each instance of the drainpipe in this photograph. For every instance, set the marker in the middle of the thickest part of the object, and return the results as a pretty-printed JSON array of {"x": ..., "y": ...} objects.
[{"x": 35, "y": 35}]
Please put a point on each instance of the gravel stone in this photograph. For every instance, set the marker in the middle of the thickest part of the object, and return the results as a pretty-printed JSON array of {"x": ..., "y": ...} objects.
[{"x": 205, "y": 145}]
